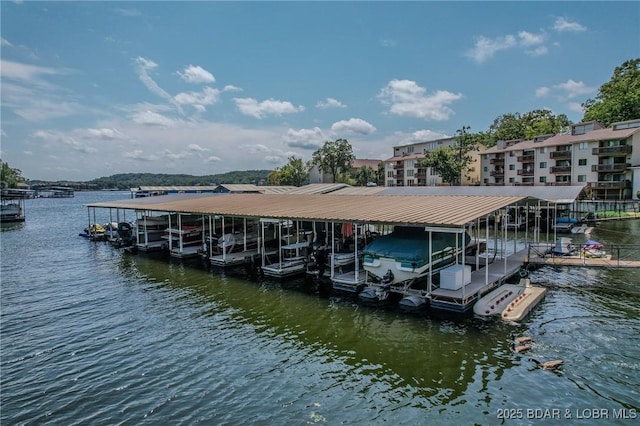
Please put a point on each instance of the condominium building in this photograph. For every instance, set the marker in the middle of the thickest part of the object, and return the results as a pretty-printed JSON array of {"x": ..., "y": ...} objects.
[
  {"x": 403, "y": 168},
  {"x": 604, "y": 160}
]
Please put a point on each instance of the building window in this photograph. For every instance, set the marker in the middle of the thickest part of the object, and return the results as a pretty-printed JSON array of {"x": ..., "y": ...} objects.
[
  {"x": 582, "y": 146},
  {"x": 410, "y": 173},
  {"x": 410, "y": 149},
  {"x": 543, "y": 150},
  {"x": 512, "y": 166},
  {"x": 486, "y": 169},
  {"x": 390, "y": 173},
  {"x": 543, "y": 164},
  {"x": 512, "y": 154},
  {"x": 543, "y": 179},
  {"x": 511, "y": 180},
  {"x": 582, "y": 178},
  {"x": 582, "y": 162},
  {"x": 486, "y": 181}
]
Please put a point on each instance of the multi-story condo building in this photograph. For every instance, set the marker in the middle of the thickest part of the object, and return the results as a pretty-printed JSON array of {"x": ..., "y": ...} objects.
[
  {"x": 604, "y": 160},
  {"x": 402, "y": 169}
]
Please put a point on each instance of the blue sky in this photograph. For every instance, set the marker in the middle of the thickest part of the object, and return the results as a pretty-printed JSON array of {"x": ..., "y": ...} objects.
[{"x": 91, "y": 89}]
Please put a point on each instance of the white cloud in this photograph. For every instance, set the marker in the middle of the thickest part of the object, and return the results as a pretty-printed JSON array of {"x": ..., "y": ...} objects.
[
  {"x": 387, "y": 42},
  {"x": 139, "y": 155},
  {"x": 406, "y": 98},
  {"x": 542, "y": 91},
  {"x": 485, "y": 48},
  {"x": 353, "y": 125},
  {"x": 5, "y": 42},
  {"x": 231, "y": 88},
  {"x": 194, "y": 147},
  {"x": 571, "y": 88},
  {"x": 213, "y": 159},
  {"x": 28, "y": 73},
  {"x": 562, "y": 24},
  {"x": 104, "y": 133},
  {"x": 576, "y": 107},
  {"x": 252, "y": 107},
  {"x": 538, "y": 51},
  {"x": 151, "y": 118},
  {"x": 196, "y": 74},
  {"x": 305, "y": 138},
  {"x": 330, "y": 103},
  {"x": 198, "y": 100},
  {"x": 56, "y": 137},
  {"x": 530, "y": 39},
  {"x": 424, "y": 136},
  {"x": 143, "y": 68}
]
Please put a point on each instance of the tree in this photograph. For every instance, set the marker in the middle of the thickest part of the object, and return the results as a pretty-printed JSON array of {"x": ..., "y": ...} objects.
[
  {"x": 451, "y": 163},
  {"x": 514, "y": 126},
  {"x": 10, "y": 177},
  {"x": 380, "y": 173},
  {"x": 364, "y": 175},
  {"x": 295, "y": 172},
  {"x": 619, "y": 98},
  {"x": 334, "y": 157},
  {"x": 274, "y": 177}
]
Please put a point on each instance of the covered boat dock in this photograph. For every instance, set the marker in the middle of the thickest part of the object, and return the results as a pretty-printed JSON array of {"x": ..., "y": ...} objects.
[{"x": 450, "y": 209}]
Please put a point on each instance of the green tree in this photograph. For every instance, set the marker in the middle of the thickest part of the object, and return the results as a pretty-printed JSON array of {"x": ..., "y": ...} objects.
[
  {"x": 295, "y": 172},
  {"x": 274, "y": 177},
  {"x": 10, "y": 177},
  {"x": 364, "y": 175},
  {"x": 334, "y": 157},
  {"x": 380, "y": 173},
  {"x": 619, "y": 98},
  {"x": 451, "y": 163},
  {"x": 514, "y": 126}
]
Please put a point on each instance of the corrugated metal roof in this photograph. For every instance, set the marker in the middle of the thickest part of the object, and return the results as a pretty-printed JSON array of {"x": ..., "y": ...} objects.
[
  {"x": 434, "y": 210},
  {"x": 552, "y": 194},
  {"x": 318, "y": 188},
  {"x": 174, "y": 188}
]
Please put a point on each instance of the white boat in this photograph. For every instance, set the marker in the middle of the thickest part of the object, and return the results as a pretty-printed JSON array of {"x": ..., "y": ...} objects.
[
  {"x": 592, "y": 248},
  {"x": 405, "y": 254},
  {"x": 11, "y": 212}
]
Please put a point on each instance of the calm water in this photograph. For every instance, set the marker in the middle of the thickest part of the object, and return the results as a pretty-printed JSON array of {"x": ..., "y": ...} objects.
[{"x": 90, "y": 335}]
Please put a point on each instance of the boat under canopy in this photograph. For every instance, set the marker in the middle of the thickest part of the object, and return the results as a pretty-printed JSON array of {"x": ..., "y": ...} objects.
[{"x": 411, "y": 252}]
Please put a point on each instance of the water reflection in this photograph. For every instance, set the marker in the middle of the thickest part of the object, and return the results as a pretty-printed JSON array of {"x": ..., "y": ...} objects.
[{"x": 421, "y": 358}]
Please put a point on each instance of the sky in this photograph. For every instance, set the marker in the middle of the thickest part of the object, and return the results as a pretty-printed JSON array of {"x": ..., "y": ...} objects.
[{"x": 92, "y": 89}]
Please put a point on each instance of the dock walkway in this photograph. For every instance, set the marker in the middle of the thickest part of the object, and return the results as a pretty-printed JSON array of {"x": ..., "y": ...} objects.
[{"x": 482, "y": 281}]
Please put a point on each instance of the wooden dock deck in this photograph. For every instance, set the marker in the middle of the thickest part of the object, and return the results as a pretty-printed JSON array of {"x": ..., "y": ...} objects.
[{"x": 483, "y": 280}]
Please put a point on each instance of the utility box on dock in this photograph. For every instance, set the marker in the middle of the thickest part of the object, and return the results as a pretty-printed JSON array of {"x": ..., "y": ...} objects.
[{"x": 455, "y": 277}]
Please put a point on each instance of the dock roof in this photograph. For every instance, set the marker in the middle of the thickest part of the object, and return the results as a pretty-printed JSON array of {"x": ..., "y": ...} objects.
[{"x": 433, "y": 210}]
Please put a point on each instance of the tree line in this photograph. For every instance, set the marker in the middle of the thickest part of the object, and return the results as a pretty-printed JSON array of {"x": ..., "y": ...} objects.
[{"x": 617, "y": 100}]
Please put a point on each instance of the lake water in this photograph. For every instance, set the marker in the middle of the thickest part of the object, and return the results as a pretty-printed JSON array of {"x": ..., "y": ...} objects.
[{"x": 90, "y": 335}]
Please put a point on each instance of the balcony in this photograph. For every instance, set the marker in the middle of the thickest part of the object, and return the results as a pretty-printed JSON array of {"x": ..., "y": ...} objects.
[
  {"x": 568, "y": 183},
  {"x": 561, "y": 170},
  {"x": 525, "y": 172},
  {"x": 399, "y": 165},
  {"x": 528, "y": 158},
  {"x": 609, "y": 185},
  {"x": 612, "y": 150},
  {"x": 497, "y": 160},
  {"x": 610, "y": 168},
  {"x": 560, "y": 155},
  {"x": 497, "y": 173}
]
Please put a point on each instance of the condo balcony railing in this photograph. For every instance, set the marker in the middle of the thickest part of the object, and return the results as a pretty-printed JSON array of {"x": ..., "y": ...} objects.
[
  {"x": 525, "y": 172},
  {"x": 496, "y": 173},
  {"x": 609, "y": 185},
  {"x": 565, "y": 183},
  {"x": 528, "y": 158},
  {"x": 561, "y": 170},
  {"x": 560, "y": 155},
  {"x": 612, "y": 150},
  {"x": 497, "y": 160},
  {"x": 620, "y": 167}
]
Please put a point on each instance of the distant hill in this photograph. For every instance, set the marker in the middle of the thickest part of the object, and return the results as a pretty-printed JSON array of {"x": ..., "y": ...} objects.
[{"x": 126, "y": 181}]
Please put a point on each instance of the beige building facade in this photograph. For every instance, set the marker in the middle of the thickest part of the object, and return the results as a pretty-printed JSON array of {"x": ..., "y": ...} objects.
[{"x": 603, "y": 160}]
